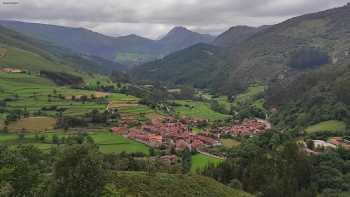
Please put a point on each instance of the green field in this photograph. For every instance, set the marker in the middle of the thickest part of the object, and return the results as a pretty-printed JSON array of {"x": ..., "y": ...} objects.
[
  {"x": 107, "y": 142},
  {"x": 249, "y": 96},
  {"x": 21, "y": 59},
  {"x": 196, "y": 109},
  {"x": 34, "y": 93},
  {"x": 111, "y": 143},
  {"x": 200, "y": 161},
  {"x": 133, "y": 58},
  {"x": 332, "y": 125}
]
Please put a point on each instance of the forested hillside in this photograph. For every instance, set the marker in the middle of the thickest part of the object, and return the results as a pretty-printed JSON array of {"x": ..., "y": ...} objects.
[{"x": 274, "y": 52}]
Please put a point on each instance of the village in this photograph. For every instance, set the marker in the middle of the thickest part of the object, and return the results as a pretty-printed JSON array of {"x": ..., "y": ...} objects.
[{"x": 177, "y": 134}]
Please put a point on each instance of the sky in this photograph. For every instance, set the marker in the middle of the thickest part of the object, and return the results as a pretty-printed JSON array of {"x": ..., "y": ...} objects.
[{"x": 153, "y": 18}]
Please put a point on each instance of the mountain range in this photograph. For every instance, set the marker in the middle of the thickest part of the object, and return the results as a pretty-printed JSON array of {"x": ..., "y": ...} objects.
[
  {"x": 263, "y": 54},
  {"x": 23, "y": 52},
  {"x": 130, "y": 50}
]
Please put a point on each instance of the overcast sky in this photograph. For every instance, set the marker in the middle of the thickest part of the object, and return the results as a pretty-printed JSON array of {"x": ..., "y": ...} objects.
[{"x": 153, "y": 18}]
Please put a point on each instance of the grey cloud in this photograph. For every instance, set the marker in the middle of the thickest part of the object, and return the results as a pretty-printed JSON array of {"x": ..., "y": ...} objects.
[{"x": 153, "y": 18}]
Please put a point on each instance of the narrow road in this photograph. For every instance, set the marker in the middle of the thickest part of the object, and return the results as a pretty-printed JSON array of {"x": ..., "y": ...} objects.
[{"x": 211, "y": 155}]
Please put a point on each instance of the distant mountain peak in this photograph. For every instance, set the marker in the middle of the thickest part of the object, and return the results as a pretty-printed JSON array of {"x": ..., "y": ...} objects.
[{"x": 180, "y": 29}]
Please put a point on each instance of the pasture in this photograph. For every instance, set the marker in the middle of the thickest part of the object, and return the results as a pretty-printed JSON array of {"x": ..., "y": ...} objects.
[
  {"x": 107, "y": 142},
  {"x": 22, "y": 59},
  {"x": 33, "y": 124},
  {"x": 230, "y": 143},
  {"x": 250, "y": 96},
  {"x": 34, "y": 94},
  {"x": 332, "y": 125},
  {"x": 196, "y": 109},
  {"x": 200, "y": 161}
]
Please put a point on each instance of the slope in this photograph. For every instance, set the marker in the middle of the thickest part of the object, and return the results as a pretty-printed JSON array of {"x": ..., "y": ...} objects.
[
  {"x": 267, "y": 55},
  {"x": 20, "y": 51},
  {"x": 199, "y": 65},
  {"x": 130, "y": 49},
  {"x": 141, "y": 184},
  {"x": 236, "y": 35}
]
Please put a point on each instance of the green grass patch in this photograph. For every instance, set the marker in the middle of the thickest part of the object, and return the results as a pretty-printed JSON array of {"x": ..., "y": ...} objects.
[
  {"x": 196, "y": 109},
  {"x": 332, "y": 125},
  {"x": 249, "y": 96},
  {"x": 107, "y": 142},
  {"x": 111, "y": 143},
  {"x": 200, "y": 161},
  {"x": 18, "y": 58},
  {"x": 132, "y": 58}
]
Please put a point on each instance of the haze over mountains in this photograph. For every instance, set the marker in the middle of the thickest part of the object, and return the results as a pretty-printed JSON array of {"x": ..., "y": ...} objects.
[{"x": 130, "y": 50}]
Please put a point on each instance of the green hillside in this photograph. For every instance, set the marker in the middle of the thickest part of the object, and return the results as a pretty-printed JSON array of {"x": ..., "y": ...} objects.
[
  {"x": 171, "y": 185},
  {"x": 200, "y": 65},
  {"x": 19, "y": 51},
  {"x": 22, "y": 59},
  {"x": 265, "y": 56}
]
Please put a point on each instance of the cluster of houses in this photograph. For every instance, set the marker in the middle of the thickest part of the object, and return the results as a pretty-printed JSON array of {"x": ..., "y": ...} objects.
[
  {"x": 11, "y": 70},
  {"x": 246, "y": 128},
  {"x": 169, "y": 132},
  {"x": 321, "y": 145},
  {"x": 332, "y": 143}
]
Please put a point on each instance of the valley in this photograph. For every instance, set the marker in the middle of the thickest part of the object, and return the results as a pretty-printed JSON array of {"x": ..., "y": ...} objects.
[{"x": 254, "y": 111}]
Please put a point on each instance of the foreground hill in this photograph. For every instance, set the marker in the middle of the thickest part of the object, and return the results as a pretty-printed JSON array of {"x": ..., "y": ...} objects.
[
  {"x": 141, "y": 184},
  {"x": 131, "y": 49},
  {"x": 19, "y": 51}
]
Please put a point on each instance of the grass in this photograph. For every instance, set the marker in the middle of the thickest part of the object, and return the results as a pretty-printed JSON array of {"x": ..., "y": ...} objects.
[
  {"x": 132, "y": 58},
  {"x": 18, "y": 58},
  {"x": 171, "y": 185},
  {"x": 33, "y": 124},
  {"x": 196, "y": 109},
  {"x": 249, "y": 96},
  {"x": 107, "y": 142},
  {"x": 230, "y": 143},
  {"x": 332, "y": 125},
  {"x": 200, "y": 161},
  {"x": 111, "y": 143}
]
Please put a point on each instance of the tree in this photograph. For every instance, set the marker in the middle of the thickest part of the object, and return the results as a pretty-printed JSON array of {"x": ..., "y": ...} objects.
[
  {"x": 186, "y": 161},
  {"x": 79, "y": 171},
  {"x": 55, "y": 139},
  {"x": 20, "y": 170}
]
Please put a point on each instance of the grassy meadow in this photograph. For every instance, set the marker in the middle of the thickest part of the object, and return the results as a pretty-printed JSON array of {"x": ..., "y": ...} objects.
[
  {"x": 200, "y": 161},
  {"x": 107, "y": 142},
  {"x": 332, "y": 125},
  {"x": 22, "y": 59},
  {"x": 250, "y": 96},
  {"x": 196, "y": 109}
]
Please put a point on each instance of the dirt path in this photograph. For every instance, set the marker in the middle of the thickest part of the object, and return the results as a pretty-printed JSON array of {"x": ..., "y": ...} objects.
[{"x": 211, "y": 155}]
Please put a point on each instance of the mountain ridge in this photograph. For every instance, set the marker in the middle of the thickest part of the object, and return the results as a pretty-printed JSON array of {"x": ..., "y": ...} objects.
[{"x": 85, "y": 41}]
